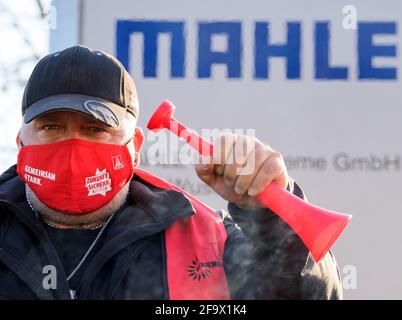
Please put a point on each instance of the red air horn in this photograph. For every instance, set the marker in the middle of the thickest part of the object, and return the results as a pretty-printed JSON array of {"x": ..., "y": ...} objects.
[{"x": 318, "y": 228}]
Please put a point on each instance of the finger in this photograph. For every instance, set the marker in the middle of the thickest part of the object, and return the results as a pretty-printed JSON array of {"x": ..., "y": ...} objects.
[
  {"x": 236, "y": 160},
  {"x": 206, "y": 170},
  {"x": 215, "y": 165},
  {"x": 250, "y": 170},
  {"x": 272, "y": 169},
  {"x": 222, "y": 148}
]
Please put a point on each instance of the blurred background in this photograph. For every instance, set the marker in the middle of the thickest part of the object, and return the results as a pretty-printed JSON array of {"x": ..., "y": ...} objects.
[
  {"x": 24, "y": 35},
  {"x": 317, "y": 80}
]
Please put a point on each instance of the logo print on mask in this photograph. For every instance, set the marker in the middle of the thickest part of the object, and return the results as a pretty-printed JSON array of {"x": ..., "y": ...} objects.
[
  {"x": 100, "y": 183},
  {"x": 117, "y": 162}
]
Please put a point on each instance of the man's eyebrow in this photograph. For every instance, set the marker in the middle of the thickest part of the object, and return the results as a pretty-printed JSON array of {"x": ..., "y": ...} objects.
[{"x": 88, "y": 121}]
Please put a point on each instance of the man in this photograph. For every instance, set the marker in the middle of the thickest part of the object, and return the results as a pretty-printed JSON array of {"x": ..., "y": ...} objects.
[{"x": 79, "y": 220}]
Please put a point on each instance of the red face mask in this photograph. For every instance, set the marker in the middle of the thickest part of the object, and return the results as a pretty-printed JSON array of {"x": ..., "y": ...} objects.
[{"x": 75, "y": 176}]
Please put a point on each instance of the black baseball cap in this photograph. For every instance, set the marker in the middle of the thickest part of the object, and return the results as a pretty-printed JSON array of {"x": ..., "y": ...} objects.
[{"x": 83, "y": 80}]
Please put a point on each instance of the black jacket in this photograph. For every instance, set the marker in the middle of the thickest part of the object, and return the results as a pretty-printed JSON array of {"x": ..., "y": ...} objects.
[{"x": 263, "y": 258}]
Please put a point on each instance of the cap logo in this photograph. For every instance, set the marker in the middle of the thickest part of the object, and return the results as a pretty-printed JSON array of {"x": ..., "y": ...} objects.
[{"x": 102, "y": 112}]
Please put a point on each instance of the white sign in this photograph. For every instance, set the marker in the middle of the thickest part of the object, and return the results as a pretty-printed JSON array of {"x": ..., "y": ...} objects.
[{"x": 318, "y": 81}]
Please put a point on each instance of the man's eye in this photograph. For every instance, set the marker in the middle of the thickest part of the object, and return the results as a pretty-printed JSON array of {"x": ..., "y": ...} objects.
[
  {"x": 96, "y": 129},
  {"x": 49, "y": 127}
]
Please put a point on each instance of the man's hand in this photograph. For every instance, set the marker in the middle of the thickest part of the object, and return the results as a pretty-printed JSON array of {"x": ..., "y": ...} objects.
[{"x": 241, "y": 168}]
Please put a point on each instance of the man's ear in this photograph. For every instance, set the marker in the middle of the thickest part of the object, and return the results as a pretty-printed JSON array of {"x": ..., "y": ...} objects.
[
  {"x": 138, "y": 141},
  {"x": 18, "y": 139}
]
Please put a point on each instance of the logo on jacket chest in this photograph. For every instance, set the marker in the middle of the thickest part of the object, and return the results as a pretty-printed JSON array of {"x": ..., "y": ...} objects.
[{"x": 200, "y": 270}]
